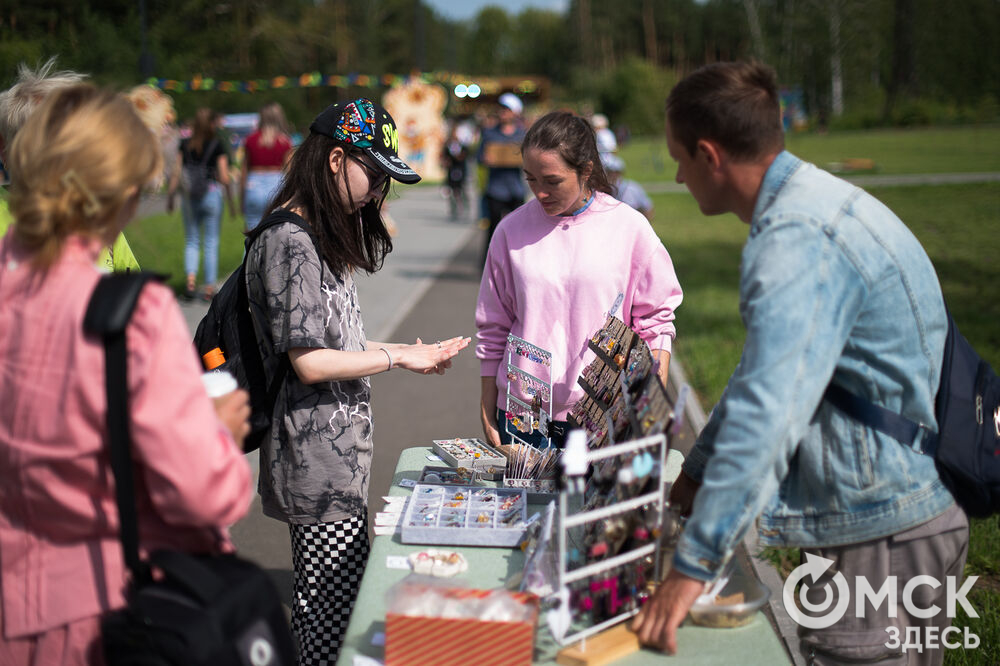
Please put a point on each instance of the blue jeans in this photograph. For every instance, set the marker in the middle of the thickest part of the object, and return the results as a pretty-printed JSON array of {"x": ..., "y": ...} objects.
[
  {"x": 557, "y": 431},
  {"x": 261, "y": 187},
  {"x": 204, "y": 213}
]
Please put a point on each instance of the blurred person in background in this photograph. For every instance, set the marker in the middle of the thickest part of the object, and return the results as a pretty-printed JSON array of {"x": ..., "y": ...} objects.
[
  {"x": 625, "y": 190},
  {"x": 156, "y": 109},
  {"x": 16, "y": 105},
  {"x": 606, "y": 141},
  {"x": 454, "y": 158},
  {"x": 265, "y": 153},
  {"x": 499, "y": 152},
  {"x": 202, "y": 211},
  {"x": 81, "y": 161}
]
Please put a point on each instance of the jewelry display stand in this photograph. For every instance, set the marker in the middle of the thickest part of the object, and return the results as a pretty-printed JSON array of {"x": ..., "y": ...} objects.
[
  {"x": 622, "y": 530},
  {"x": 528, "y": 469},
  {"x": 624, "y": 396},
  {"x": 611, "y": 507}
]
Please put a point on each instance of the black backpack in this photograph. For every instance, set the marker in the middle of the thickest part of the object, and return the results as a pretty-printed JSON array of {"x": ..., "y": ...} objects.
[
  {"x": 966, "y": 448},
  {"x": 201, "y": 609},
  {"x": 228, "y": 327}
]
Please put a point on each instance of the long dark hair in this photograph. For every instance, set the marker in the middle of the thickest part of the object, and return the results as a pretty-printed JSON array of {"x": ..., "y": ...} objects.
[
  {"x": 573, "y": 138},
  {"x": 202, "y": 130},
  {"x": 348, "y": 240}
]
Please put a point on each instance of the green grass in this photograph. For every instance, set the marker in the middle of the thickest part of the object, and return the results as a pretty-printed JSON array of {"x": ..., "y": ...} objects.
[
  {"x": 958, "y": 225},
  {"x": 158, "y": 243},
  {"x": 895, "y": 151}
]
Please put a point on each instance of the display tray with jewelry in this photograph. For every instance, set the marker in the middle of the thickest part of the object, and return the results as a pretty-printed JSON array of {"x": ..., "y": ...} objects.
[
  {"x": 447, "y": 476},
  {"x": 465, "y": 516},
  {"x": 472, "y": 453}
]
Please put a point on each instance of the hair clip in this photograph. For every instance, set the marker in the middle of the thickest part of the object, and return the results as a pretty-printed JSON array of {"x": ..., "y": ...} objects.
[{"x": 72, "y": 179}]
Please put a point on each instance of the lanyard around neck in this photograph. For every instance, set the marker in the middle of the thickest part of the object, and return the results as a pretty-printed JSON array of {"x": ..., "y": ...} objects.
[{"x": 586, "y": 204}]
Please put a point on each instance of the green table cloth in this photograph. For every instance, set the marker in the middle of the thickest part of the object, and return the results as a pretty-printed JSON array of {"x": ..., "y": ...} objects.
[{"x": 755, "y": 643}]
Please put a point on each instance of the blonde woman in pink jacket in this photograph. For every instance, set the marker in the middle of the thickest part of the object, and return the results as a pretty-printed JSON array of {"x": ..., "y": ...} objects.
[{"x": 80, "y": 162}]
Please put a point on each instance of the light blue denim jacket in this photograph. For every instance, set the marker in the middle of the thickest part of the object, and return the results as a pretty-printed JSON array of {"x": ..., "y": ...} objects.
[{"x": 832, "y": 284}]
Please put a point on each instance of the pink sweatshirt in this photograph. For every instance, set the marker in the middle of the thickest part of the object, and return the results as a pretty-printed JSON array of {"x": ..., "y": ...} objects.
[
  {"x": 553, "y": 280},
  {"x": 60, "y": 555}
]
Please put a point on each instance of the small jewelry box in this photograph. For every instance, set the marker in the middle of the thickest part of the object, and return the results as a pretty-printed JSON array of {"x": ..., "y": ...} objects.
[{"x": 473, "y": 453}]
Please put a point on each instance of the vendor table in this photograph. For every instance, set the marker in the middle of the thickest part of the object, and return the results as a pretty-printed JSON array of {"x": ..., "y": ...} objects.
[{"x": 489, "y": 567}]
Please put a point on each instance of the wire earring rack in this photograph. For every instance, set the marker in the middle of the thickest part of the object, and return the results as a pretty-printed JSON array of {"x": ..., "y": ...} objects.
[
  {"x": 530, "y": 467},
  {"x": 575, "y": 520},
  {"x": 612, "y": 503}
]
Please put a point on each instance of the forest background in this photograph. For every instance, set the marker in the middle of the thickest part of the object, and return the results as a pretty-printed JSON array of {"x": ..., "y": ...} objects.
[{"x": 856, "y": 63}]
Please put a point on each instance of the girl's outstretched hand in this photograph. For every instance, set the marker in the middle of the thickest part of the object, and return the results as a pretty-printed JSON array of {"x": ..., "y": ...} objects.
[{"x": 433, "y": 358}]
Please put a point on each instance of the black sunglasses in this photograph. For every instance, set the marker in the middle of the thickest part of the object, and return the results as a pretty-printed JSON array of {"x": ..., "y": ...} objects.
[{"x": 376, "y": 177}]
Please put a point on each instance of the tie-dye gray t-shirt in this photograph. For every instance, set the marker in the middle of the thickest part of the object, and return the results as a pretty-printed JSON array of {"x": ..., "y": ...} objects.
[{"x": 315, "y": 465}]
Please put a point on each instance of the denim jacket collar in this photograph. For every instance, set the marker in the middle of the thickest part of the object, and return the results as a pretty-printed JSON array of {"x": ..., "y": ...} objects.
[{"x": 781, "y": 169}]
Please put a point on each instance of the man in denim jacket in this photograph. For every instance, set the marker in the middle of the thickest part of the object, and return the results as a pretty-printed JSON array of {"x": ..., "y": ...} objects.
[{"x": 833, "y": 286}]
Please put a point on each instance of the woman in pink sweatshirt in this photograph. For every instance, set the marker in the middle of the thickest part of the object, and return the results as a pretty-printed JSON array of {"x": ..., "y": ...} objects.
[
  {"x": 81, "y": 160},
  {"x": 558, "y": 265}
]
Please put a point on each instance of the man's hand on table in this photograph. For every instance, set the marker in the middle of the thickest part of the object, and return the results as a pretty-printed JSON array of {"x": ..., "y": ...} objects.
[{"x": 657, "y": 622}]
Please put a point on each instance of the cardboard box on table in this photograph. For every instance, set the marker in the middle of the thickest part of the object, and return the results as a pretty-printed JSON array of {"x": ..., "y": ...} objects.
[{"x": 435, "y": 641}]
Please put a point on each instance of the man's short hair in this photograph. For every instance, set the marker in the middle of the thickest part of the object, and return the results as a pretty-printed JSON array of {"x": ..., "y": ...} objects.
[
  {"x": 18, "y": 101},
  {"x": 732, "y": 103}
]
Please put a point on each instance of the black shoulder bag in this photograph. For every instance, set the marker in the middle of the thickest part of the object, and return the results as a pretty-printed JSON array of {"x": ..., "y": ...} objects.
[
  {"x": 966, "y": 448},
  {"x": 217, "y": 610}
]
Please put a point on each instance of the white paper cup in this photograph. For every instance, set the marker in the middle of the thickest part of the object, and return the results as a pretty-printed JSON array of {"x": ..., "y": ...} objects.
[{"x": 218, "y": 383}]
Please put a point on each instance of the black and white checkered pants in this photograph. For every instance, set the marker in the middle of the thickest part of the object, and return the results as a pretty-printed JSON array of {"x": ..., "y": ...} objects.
[{"x": 328, "y": 560}]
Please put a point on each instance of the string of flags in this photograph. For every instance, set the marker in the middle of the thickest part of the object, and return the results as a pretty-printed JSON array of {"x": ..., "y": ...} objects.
[{"x": 199, "y": 82}]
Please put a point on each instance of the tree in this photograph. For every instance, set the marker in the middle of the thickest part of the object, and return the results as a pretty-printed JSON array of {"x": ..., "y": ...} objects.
[{"x": 903, "y": 80}]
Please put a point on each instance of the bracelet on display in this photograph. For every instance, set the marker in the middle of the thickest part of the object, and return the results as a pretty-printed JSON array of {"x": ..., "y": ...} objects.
[{"x": 388, "y": 356}]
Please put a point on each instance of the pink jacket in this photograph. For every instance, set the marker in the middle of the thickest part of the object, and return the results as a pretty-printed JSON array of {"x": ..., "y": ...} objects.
[
  {"x": 552, "y": 280},
  {"x": 60, "y": 556}
]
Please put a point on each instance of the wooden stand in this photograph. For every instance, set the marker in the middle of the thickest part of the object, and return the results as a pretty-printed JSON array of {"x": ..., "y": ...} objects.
[{"x": 603, "y": 648}]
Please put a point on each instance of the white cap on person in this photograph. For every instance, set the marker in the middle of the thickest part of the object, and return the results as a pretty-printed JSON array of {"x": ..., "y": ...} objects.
[{"x": 511, "y": 101}]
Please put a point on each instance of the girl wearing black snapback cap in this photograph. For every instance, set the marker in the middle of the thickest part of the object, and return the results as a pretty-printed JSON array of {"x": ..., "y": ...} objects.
[{"x": 315, "y": 463}]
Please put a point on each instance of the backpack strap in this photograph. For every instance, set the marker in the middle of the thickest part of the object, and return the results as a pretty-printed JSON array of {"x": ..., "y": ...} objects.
[
  {"x": 281, "y": 216},
  {"x": 887, "y": 421},
  {"x": 209, "y": 149},
  {"x": 206, "y": 154},
  {"x": 879, "y": 418},
  {"x": 108, "y": 313},
  {"x": 252, "y": 365}
]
